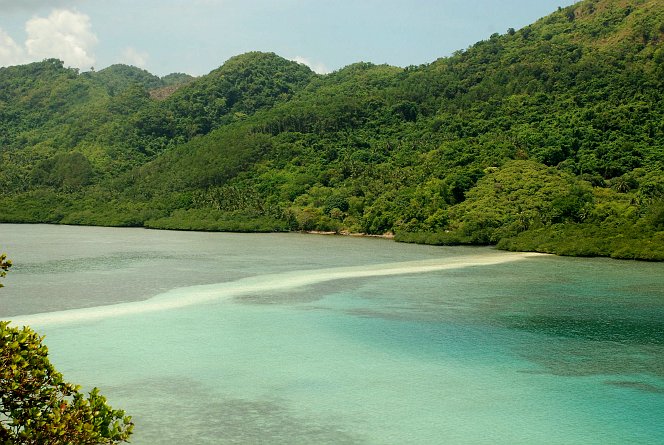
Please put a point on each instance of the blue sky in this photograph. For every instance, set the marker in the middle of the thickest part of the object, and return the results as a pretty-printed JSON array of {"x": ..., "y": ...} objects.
[{"x": 197, "y": 36}]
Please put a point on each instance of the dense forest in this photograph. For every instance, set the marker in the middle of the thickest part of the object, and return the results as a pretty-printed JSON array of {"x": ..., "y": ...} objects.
[{"x": 549, "y": 138}]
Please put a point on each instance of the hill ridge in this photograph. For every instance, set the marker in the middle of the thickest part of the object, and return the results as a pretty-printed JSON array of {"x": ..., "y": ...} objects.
[{"x": 546, "y": 138}]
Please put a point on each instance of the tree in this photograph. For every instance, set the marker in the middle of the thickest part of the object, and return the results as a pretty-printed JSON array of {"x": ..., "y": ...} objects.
[
  {"x": 5, "y": 264},
  {"x": 38, "y": 407}
]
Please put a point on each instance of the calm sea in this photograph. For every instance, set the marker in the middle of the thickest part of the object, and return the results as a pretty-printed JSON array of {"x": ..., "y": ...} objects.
[{"x": 211, "y": 338}]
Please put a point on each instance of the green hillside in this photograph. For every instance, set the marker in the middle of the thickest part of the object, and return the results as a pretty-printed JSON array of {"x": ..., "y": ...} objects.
[{"x": 548, "y": 138}]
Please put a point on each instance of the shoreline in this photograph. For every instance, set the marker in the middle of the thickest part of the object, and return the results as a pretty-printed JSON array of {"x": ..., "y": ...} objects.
[{"x": 387, "y": 235}]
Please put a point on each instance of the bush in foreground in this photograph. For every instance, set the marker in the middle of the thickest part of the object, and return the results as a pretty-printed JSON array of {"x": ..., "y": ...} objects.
[{"x": 38, "y": 407}]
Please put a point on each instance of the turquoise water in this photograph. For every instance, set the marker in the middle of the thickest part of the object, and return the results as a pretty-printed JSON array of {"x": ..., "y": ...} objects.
[{"x": 297, "y": 339}]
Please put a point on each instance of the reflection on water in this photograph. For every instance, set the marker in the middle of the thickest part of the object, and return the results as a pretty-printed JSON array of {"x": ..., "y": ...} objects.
[{"x": 275, "y": 339}]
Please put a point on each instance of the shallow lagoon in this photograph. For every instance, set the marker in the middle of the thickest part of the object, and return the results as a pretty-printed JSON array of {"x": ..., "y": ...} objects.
[{"x": 300, "y": 339}]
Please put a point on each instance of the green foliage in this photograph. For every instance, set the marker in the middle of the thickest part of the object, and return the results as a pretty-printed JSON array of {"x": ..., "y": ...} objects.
[
  {"x": 242, "y": 86},
  {"x": 119, "y": 77},
  {"x": 176, "y": 79},
  {"x": 5, "y": 264},
  {"x": 518, "y": 196},
  {"x": 38, "y": 407},
  {"x": 67, "y": 171},
  {"x": 216, "y": 220},
  {"x": 590, "y": 240},
  {"x": 559, "y": 124}
]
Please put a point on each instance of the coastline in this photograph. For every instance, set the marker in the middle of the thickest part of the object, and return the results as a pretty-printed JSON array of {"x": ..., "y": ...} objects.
[
  {"x": 387, "y": 235},
  {"x": 560, "y": 245}
]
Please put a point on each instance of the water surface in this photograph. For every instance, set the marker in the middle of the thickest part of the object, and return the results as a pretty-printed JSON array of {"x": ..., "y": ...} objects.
[{"x": 297, "y": 339}]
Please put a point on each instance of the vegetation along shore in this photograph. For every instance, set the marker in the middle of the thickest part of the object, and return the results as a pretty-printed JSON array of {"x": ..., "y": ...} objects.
[{"x": 549, "y": 138}]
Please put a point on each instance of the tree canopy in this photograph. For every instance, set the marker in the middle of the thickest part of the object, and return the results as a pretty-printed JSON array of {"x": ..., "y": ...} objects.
[{"x": 569, "y": 107}]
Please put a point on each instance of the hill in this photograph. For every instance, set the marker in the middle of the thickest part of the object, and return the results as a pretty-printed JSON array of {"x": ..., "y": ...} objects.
[{"x": 547, "y": 138}]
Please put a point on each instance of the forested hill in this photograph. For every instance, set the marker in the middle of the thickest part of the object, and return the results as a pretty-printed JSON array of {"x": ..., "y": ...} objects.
[{"x": 547, "y": 138}]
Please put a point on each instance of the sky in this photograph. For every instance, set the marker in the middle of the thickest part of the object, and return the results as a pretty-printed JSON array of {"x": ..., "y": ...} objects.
[{"x": 197, "y": 36}]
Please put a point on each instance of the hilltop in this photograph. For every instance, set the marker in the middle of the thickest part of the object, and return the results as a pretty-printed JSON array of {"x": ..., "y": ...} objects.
[{"x": 547, "y": 138}]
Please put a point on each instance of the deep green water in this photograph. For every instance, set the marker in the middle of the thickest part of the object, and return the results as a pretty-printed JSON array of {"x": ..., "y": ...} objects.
[{"x": 301, "y": 339}]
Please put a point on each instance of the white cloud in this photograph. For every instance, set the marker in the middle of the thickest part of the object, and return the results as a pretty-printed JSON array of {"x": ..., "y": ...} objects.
[
  {"x": 65, "y": 35},
  {"x": 132, "y": 56},
  {"x": 316, "y": 67},
  {"x": 11, "y": 53}
]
